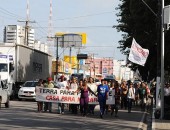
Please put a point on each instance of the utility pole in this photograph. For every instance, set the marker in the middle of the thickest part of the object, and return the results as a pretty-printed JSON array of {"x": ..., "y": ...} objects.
[
  {"x": 78, "y": 65},
  {"x": 27, "y": 27},
  {"x": 158, "y": 78},
  {"x": 162, "y": 60},
  {"x": 57, "y": 57}
]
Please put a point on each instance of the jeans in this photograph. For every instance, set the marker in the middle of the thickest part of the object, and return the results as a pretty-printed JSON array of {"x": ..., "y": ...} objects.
[
  {"x": 61, "y": 107},
  {"x": 102, "y": 107},
  {"x": 129, "y": 100}
]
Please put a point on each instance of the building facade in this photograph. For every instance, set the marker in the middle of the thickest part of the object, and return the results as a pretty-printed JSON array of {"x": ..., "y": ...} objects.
[
  {"x": 16, "y": 34},
  {"x": 99, "y": 67}
]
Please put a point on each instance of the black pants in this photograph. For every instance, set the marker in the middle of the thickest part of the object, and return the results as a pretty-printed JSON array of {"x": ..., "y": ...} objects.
[
  {"x": 102, "y": 107},
  {"x": 74, "y": 108},
  {"x": 124, "y": 102}
]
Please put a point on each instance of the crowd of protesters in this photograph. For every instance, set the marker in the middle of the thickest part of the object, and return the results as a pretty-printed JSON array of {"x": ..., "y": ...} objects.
[{"x": 127, "y": 95}]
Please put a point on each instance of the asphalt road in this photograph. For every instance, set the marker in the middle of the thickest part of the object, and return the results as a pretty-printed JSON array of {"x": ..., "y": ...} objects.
[{"x": 22, "y": 115}]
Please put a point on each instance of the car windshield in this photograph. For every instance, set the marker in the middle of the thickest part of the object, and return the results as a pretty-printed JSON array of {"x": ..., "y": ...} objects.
[
  {"x": 30, "y": 84},
  {"x": 3, "y": 67}
]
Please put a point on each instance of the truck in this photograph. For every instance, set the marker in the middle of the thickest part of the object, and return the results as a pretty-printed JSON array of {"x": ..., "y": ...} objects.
[
  {"x": 4, "y": 98},
  {"x": 20, "y": 63}
]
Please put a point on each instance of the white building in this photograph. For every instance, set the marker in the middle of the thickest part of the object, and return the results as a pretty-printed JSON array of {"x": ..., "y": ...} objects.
[
  {"x": 120, "y": 70},
  {"x": 16, "y": 34}
]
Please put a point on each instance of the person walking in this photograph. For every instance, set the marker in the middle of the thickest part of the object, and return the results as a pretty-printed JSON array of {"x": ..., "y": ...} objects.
[
  {"x": 84, "y": 97},
  {"x": 74, "y": 86},
  {"x": 39, "y": 103},
  {"x": 50, "y": 85},
  {"x": 93, "y": 87},
  {"x": 124, "y": 90},
  {"x": 130, "y": 96},
  {"x": 62, "y": 84},
  {"x": 143, "y": 96},
  {"x": 102, "y": 93},
  {"x": 116, "y": 91}
]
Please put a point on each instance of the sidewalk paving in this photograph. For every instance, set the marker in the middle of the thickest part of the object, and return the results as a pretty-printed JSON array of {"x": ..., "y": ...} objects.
[{"x": 158, "y": 124}]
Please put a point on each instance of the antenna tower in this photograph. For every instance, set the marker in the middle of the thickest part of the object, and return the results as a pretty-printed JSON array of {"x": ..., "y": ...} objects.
[{"x": 50, "y": 30}]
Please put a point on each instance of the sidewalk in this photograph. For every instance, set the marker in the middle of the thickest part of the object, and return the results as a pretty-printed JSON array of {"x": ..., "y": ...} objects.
[{"x": 158, "y": 124}]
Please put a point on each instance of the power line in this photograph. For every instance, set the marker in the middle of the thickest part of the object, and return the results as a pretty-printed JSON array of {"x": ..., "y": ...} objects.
[
  {"x": 77, "y": 17},
  {"x": 82, "y": 27},
  {"x": 4, "y": 11}
]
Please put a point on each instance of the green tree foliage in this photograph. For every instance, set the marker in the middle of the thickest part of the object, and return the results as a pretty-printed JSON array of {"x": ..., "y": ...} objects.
[{"x": 137, "y": 21}]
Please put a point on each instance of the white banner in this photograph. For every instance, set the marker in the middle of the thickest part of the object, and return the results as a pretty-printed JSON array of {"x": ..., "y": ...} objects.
[
  {"x": 66, "y": 96},
  {"x": 138, "y": 54}
]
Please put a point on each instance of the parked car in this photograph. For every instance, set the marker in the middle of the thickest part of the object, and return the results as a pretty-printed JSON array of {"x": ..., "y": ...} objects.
[
  {"x": 27, "y": 90},
  {"x": 110, "y": 78}
]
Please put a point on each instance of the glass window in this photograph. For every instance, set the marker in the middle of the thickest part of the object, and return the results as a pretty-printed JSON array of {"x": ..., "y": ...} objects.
[
  {"x": 31, "y": 84},
  {"x": 3, "y": 67}
]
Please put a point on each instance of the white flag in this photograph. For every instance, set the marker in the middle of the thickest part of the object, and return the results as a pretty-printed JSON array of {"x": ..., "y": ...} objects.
[{"x": 138, "y": 54}]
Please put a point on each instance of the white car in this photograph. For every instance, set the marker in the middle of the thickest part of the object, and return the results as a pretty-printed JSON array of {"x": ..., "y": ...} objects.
[{"x": 27, "y": 90}]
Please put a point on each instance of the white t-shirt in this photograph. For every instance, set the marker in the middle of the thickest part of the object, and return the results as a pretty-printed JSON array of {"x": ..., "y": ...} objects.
[
  {"x": 131, "y": 93},
  {"x": 74, "y": 86},
  {"x": 62, "y": 85},
  {"x": 166, "y": 91}
]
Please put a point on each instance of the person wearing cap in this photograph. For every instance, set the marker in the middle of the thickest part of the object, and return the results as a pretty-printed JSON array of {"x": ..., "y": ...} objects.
[
  {"x": 102, "y": 93},
  {"x": 50, "y": 85}
]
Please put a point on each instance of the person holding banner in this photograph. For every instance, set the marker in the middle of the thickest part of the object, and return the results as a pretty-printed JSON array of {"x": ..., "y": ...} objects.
[
  {"x": 102, "y": 92},
  {"x": 84, "y": 97},
  {"x": 39, "y": 103},
  {"x": 116, "y": 90},
  {"x": 74, "y": 86},
  {"x": 62, "y": 84},
  {"x": 93, "y": 87},
  {"x": 50, "y": 85}
]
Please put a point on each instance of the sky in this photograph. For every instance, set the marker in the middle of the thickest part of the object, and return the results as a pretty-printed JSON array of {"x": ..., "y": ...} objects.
[{"x": 93, "y": 17}]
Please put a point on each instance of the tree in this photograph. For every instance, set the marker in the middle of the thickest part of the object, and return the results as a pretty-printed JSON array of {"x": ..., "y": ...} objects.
[{"x": 137, "y": 21}]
